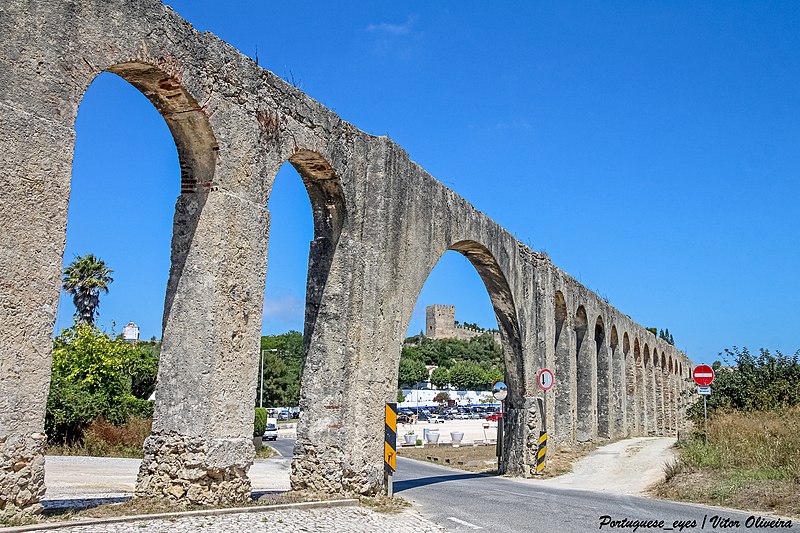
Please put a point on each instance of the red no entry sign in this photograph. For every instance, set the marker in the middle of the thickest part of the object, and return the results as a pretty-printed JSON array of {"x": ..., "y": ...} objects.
[{"x": 703, "y": 375}]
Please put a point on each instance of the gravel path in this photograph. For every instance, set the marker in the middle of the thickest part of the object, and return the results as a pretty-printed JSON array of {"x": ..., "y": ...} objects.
[{"x": 625, "y": 467}]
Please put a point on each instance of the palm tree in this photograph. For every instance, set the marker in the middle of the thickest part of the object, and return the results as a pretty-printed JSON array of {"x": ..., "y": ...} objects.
[{"x": 85, "y": 278}]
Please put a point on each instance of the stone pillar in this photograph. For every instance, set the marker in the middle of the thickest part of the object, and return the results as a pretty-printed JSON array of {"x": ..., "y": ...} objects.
[
  {"x": 652, "y": 402},
  {"x": 676, "y": 402},
  {"x": 618, "y": 391},
  {"x": 201, "y": 446},
  {"x": 37, "y": 143},
  {"x": 564, "y": 389},
  {"x": 632, "y": 391},
  {"x": 33, "y": 220},
  {"x": 586, "y": 423},
  {"x": 658, "y": 404},
  {"x": 669, "y": 411},
  {"x": 604, "y": 390},
  {"x": 521, "y": 438},
  {"x": 642, "y": 398}
]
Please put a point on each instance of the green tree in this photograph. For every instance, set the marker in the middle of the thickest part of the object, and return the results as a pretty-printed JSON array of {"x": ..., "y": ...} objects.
[
  {"x": 467, "y": 376},
  {"x": 284, "y": 360},
  {"x": 85, "y": 278},
  {"x": 492, "y": 375},
  {"x": 141, "y": 364},
  {"x": 440, "y": 377},
  {"x": 411, "y": 371},
  {"x": 259, "y": 422},
  {"x": 665, "y": 335},
  {"x": 93, "y": 376}
]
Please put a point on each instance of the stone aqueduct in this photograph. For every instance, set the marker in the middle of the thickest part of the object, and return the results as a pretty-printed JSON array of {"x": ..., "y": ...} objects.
[{"x": 381, "y": 225}]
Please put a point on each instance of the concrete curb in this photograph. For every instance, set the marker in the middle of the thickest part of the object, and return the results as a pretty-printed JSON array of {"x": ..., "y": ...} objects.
[{"x": 180, "y": 514}]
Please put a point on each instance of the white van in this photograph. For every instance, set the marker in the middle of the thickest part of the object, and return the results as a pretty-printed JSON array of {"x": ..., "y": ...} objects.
[{"x": 271, "y": 433}]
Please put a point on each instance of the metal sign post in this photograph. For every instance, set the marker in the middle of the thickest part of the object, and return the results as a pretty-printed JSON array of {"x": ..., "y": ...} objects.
[
  {"x": 546, "y": 380},
  {"x": 703, "y": 375},
  {"x": 500, "y": 391}
]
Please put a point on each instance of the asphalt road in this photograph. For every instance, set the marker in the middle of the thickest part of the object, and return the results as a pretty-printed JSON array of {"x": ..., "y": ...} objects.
[
  {"x": 285, "y": 447},
  {"x": 461, "y": 501}
]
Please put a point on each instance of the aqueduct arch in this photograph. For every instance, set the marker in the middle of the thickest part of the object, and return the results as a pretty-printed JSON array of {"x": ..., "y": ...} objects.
[{"x": 381, "y": 222}]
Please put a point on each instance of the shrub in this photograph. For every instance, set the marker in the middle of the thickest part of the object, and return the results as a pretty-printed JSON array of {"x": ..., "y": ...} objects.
[
  {"x": 93, "y": 376},
  {"x": 260, "y": 422},
  {"x": 442, "y": 397},
  {"x": 136, "y": 407},
  {"x": 763, "y": 382},
  {"x": 70, "y": 409}
]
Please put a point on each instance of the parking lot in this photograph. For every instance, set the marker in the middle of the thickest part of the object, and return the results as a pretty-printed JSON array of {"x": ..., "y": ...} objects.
[{"x": 475, "y": 431}]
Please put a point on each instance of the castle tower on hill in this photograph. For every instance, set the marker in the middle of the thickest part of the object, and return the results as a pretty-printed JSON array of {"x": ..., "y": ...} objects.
[{"x": 440, "y": 323}]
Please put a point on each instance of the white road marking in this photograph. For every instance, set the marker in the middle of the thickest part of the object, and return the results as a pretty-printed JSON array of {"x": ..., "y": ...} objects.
[
  {"x": 463, "y": 523},
  {"x": 514, "y": 493}
]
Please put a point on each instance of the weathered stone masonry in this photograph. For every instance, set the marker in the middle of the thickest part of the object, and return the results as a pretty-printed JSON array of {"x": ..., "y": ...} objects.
[{"x": 381, "y": 225}]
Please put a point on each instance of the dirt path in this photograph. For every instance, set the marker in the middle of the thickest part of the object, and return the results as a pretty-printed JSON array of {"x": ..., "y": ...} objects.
[{"x": 625, "y": 467}]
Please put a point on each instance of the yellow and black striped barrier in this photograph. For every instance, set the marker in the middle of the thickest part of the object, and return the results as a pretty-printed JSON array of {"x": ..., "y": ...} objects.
[
  {"x": 390, "y": 441},
  {"x": 541, "y": 452}
]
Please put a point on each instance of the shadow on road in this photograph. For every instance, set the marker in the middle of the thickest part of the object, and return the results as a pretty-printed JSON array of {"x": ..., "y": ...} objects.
[
  {"x": 400, "y": 486},
  {"x": 61, "y": 506}
]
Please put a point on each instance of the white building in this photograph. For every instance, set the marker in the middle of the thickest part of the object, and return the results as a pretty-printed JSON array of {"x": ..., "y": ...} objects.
[
  {"x": 424, "y": 397},
  {"x": 130, "y": 332}
]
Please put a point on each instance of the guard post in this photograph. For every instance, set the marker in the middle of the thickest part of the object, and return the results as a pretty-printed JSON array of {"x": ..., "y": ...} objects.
[
  {"x": 546, "y": 380},
  {"x": 541, "y": 451},
  {"x": 390, "y": 447}
]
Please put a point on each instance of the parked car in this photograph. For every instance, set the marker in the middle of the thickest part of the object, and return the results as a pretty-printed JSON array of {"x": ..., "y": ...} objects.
[
  {"x": 283, "y": 415},
  {"x": 403, "y": 419},
  {"x": 436, "y": 419},
  {"x": 494, "y": 417},
  {"x": 271, "y": 433}
]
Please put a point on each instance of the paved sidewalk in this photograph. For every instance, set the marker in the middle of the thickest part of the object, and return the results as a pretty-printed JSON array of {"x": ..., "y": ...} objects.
[
  {"x": 350, "y": 519},
  {"x": 81, "y": 481}
]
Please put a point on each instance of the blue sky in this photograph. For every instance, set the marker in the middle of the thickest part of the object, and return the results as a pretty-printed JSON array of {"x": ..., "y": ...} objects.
[{"x": 651, "y": 148}]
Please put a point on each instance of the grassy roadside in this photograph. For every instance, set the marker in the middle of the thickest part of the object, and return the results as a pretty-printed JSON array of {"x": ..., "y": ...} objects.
[{"x": 751, "y": 462}]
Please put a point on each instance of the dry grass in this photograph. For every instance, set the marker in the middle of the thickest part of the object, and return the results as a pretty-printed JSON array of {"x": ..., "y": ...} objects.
[
  {"x": 479, "y": 459},
  {"x": 751, "y": 461},
  {"x": 104, "y": 439},
  {"x": 266, "y": 452},
  {"x": 384, "y": 504}
]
